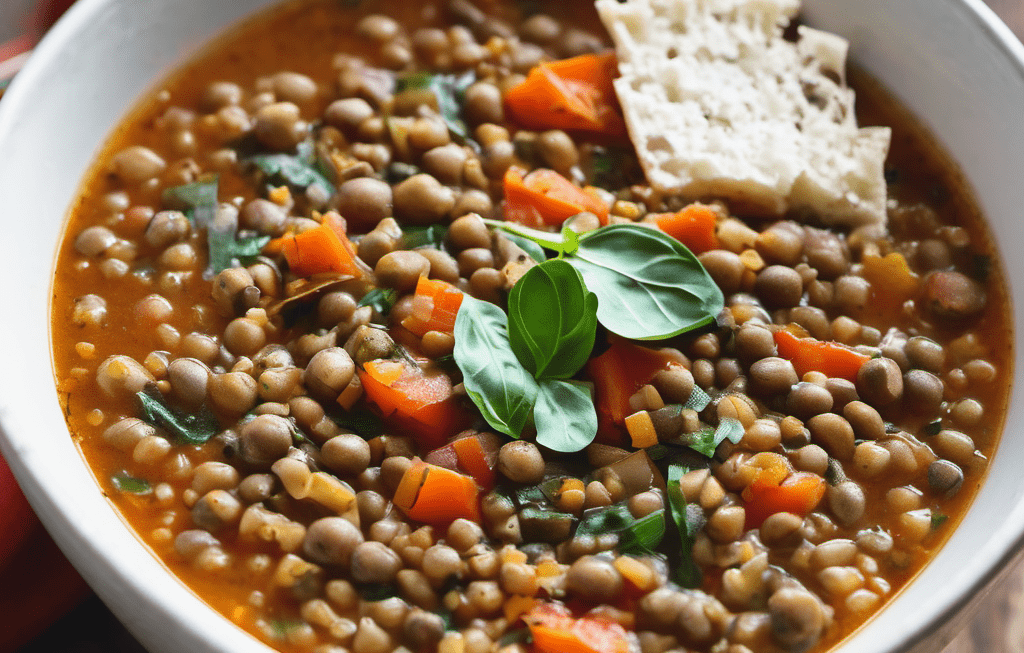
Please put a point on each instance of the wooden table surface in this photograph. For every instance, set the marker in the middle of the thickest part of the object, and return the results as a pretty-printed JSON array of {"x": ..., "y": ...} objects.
[{"x": 997, "y": 628}]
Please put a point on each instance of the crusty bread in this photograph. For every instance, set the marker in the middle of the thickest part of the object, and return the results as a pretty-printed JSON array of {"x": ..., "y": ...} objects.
[{"x": 719, "y": 104}]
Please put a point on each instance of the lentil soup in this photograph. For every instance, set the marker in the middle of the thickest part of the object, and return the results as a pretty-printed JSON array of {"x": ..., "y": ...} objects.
[{"x": 279, "y": 282}]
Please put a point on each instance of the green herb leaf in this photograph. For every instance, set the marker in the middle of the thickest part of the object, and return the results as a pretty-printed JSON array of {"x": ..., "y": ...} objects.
[
  {"x": 495, "y": 380},
  {"x": 532, "y": 249},
  {"x": 450, "y": 91},
  {"x": 552, "y": 320},
  {"x": 698, "y": 399},
  {"x": 191, "y": 428},
  {"x": 564, "y": 415},
  {"x": 689, "y": 519},
  {"x": 650, "y": 285},
  {"x": 938, "y": 519},
  {"x": 635, "y": 535},
  {"x": 227, "y": 249},
  {"x": 198, "y": 200},
  {"x": 362, "y": 422},
  {"x": 706, "y": 440},
  {"x": 123, "y": 482},
  {"x": 432, "y": 236},
  {"x": 298, "y": 170},
  {"x": 381, "y": 300}
]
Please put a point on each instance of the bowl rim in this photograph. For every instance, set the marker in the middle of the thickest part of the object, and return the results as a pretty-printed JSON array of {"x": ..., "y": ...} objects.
[{"x": 70, "y": 534}]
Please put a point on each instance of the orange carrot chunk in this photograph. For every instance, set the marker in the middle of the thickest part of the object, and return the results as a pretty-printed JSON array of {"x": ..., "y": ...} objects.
[
  {"x": 619, "y": 372},
  {"x": 575, "y": 94},
  {"x": 545, "y": 197},
  {"x": 810, "y": 355},
  {"x": 694, "y": 226},
  {"x": 435, "y": 495},
  {"x": 323, "y": 249},
  {"x": 555, "y": 630},
  {"x": 437, "y": 303},
  {"x": 420, "y": 404},
  {"x": 799, "y": 493}
]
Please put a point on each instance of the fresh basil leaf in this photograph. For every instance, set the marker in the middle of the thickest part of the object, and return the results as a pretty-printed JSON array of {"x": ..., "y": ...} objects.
[
  {"x": 381, "y": 300},
  {"x": 570, "y": 241},
  {"x": 706, "y": 440},
  {"x": 432, "y": 236},
  {"x": 649, "y": 284},
  {"x": 124, "y": 482},
  {"x": 198, "y": 200},
  {"x": 298, "y": 170},
  {"x": 552, "y": 320},
  {"x": 689, "y": 519},
  {"x": 532, "y": 249},
  {"x": 635, "y": 535},
  {"x": 494, "y": 379},
  {"x": 564, "y": 415},
  {"x": 937, "y": 520},
  {"x": 190, "y": 428},
  {"x": 450, "y": 91}
]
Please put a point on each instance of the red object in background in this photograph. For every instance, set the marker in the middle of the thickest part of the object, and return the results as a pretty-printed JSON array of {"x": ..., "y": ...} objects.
[{"x": 37, "y": 584}]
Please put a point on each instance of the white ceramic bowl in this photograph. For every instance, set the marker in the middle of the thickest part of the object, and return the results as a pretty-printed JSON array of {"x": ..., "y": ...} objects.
[{"x": 956, "y": 66}]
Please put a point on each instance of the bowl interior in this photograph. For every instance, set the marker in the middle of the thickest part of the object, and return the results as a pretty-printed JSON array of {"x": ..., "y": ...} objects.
[{"x": 950, "y": 61}]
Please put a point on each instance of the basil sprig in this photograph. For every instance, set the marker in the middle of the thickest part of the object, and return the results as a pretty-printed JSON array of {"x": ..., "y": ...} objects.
[
  {"x": 650, "y": 286},
  {"x": 516, "y": 368}
]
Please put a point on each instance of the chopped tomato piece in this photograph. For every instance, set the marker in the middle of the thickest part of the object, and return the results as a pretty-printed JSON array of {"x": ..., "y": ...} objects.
[
  {"x": 546, "y": 198},
  {"x": 575, "y": 94},
  {"x": 555, "y": 630},
  {"x": 436, "y": 305},
  {"x": 694, "y": 226},
  {"x": 435, "y": 495},
  {"x": 799, "y": 493},
  {"x": 323, "y": 249},
  {"x": 421, "y": 404}
]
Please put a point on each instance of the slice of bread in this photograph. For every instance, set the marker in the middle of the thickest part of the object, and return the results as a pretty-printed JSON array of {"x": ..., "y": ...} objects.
[{"x": 719, "y": 104}]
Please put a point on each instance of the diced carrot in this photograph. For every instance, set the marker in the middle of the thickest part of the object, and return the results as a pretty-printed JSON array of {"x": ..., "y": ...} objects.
[
  {"x": 435, "y": 495},
  {"x": 575, "y": 94},
  {"x": 810, "y": 355},
  {"x": 799, "y": 493},
  {"x": 693, "y": 226},
  {"x": 544, "y": 197},
  {"x": 619, "y": 372},
  {"x": 323, "y": 249},
  {"x": 420, "y": 404},
  {"x": 641, "y": 429},
  {"x": 444, "y": 301},
  {"x": 892, "y": 280},
  {"x": 640, "y": 575},
  {"x": 473, "y": 459},
  {"x": 555, "y": 630}
]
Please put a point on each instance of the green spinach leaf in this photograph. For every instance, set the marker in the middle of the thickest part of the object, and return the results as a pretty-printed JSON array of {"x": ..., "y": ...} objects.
[
  {"x": 689, "y": 519},
  {"x": 635, "y": 535},
  {"x": 495, "y": 380},
  {"x": 189, "y": 428},
  {"x": 450, "y": 91},
  {"x": 197, "y": 200},
  {"x": 124, "y": 482},
  {"x": 552, "y": 320},
  {"x": 649, "y": 284},
  {"x": 432, "y": 236},
  {"x": 564, "y": 415},
  {"x": 226, "y": 247},
  {"x": 299, "y": 170}
]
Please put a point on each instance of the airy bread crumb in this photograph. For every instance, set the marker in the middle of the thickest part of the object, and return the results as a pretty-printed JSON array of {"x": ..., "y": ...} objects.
[{"x": 719, "y": 104}]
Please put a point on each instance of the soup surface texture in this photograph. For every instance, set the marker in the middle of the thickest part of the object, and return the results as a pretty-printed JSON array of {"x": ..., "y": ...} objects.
[{"x": 327, "y": 327}]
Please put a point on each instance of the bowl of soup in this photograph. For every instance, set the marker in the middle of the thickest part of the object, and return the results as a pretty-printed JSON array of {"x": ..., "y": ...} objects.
[{"x": 368, "y": 332}]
